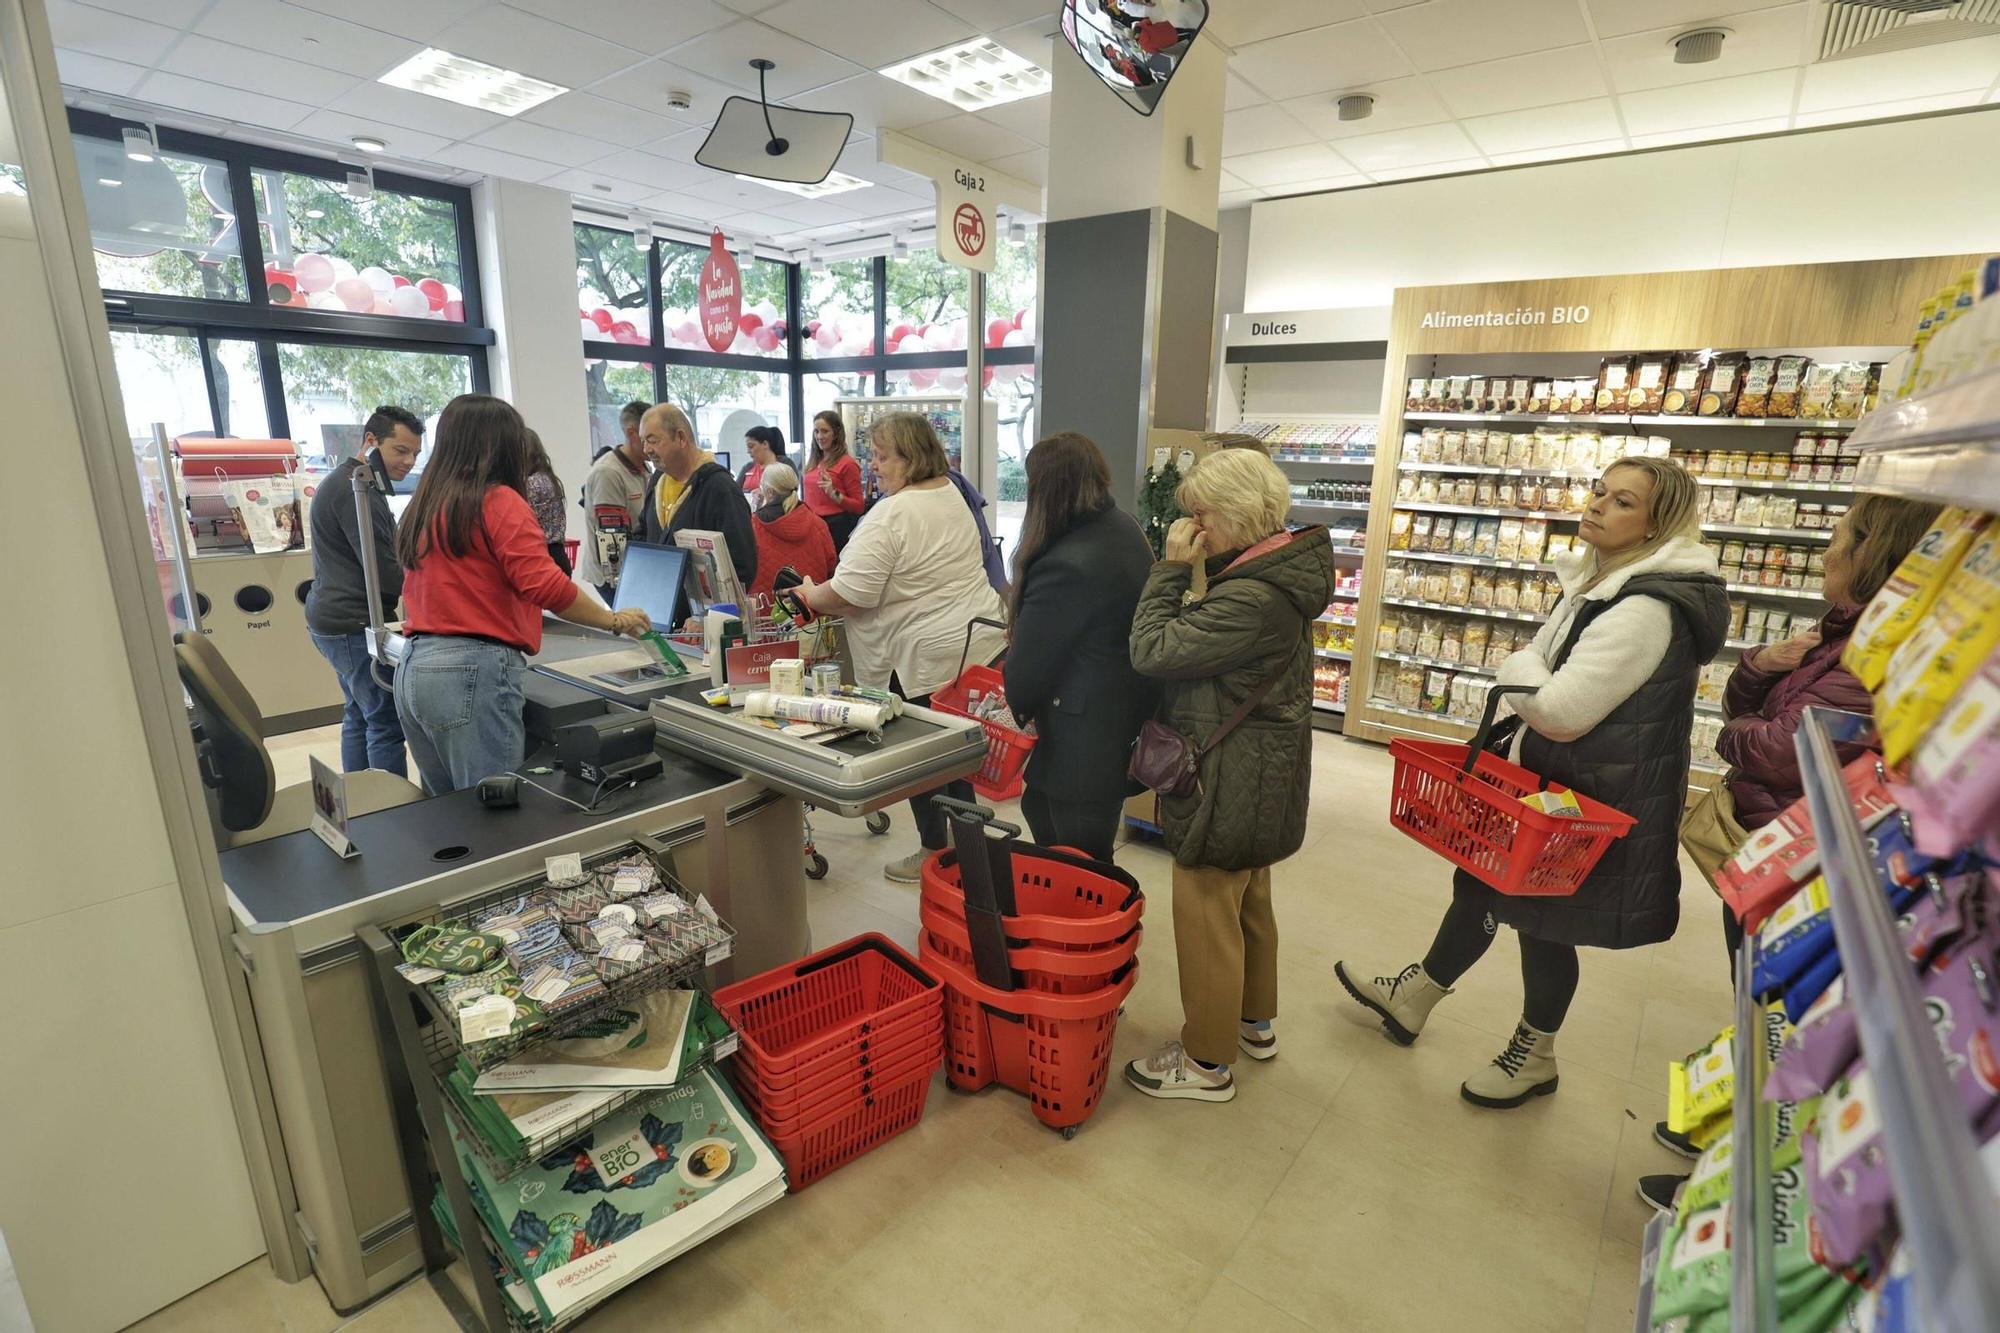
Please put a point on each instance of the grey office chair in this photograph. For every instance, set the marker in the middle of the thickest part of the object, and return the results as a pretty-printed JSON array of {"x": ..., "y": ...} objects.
[{"x": 245, "y": 803}]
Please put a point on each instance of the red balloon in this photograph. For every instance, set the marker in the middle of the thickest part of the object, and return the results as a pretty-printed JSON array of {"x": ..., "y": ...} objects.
[
  {"x": 602, "y": 319},
  {"x": 454, "y": 311},
  {"x": 749, "y": 322},
  {"x": 898, "y": 332},
  {"x": 399, "y": 280},
  {"x": 433, "y": 291},
  {"x": 895, "y": 339},
  {"x": 1017, "y": 317},
  {"x": 996, "y": 329},
  {"x": 766, "y": 340},
  {"x": 812, "y": 328}
]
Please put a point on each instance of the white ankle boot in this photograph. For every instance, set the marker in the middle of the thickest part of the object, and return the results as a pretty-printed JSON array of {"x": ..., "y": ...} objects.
[
  {"x": 1527, "y": 1068},
  {"x": 1403, "y": 1001}
]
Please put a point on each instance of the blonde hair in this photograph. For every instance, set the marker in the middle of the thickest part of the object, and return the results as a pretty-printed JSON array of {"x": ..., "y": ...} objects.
[
  {"x": 1673, "y": 512},
  {"x": 1244, "y": 494},
  {"x": 781, "y": 483},
  {"x": 1881, "y": 529},
  {"x": 911, "y": 439}
]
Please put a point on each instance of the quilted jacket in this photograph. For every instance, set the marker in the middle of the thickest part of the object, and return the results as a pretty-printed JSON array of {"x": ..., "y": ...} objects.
[
  {"x": 1764, "y": 708},
  {"x": 1250, "y": 809}
]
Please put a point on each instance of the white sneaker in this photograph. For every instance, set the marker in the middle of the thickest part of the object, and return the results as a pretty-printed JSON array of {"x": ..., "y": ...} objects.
[
  {"x": 1527, "y": 1068},
  {"x": 1168, "y": 1072},
  {"x": 909, "y": 870},
  {"x": 1259, "y": 1043}
]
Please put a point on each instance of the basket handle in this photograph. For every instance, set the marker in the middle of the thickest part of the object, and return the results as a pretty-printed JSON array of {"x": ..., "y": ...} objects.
[
  {"x": 859, "y": 945},
  {"x": 967, "y": 650},
  {"x": 1479, "y": 738}
]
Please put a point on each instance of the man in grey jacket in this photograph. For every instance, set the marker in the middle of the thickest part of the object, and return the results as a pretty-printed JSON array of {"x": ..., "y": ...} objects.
[
  {"x": 337, "y": 607},
  {"x": 613, "y": 498}
]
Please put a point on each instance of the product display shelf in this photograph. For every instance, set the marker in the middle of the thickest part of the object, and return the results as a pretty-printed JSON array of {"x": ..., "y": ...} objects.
[
  {"x": 422, "y": 1046},
  {"x": 1356, "y": 552},
  {"x": 1439, "y": 663},
  {"x": 1488, "y": 562},
  {"x": 1328, "y": 706},
  {"x": 1334, "y": 620},
  {"x": 1784, "y": 534},
  {"x": 1649, "y": 1262},
  {"x": 1334, "y": 654},
  {"x": 1489, "y": 511},
  {"x": 1447, "y": 719},
  {"x": 1753, "y": 1296},
  {"x": 1332, "y": 506},
  {"x": 1777, "y": 484},
  {"x": 1594, "y": 419},
  {"x": 1941, "y": 445},
  {"x": 1789, "y": 594},
  {"x": 1490, "y": 613}
]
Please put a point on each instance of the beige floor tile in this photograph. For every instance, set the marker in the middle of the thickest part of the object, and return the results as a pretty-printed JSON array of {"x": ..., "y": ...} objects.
[
  {"x": 304, "y": 1308},
  {"x": 1229, "y": 1306},
  {"x": 1625, "y": 1214},
  {"x": 1672, "y": 1024},
  {"x": 1614, "y": 1296},
  {"x": 413, "y": 1308},
  {"x": 243, "y": 1299}
]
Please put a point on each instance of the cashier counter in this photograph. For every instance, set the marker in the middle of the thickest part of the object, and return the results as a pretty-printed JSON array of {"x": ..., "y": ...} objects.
[{"x": 727, "y": 806}]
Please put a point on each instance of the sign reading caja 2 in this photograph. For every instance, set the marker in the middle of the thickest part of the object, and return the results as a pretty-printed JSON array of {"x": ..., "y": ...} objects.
[
  {"x": 1507, "y": 319},
  {"x": 965, "y": 219}
]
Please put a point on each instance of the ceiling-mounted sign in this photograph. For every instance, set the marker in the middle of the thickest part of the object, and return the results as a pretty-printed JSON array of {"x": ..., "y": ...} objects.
[
  {"x": 721, "y": 291},
  {"x": 966, "y": 231}
]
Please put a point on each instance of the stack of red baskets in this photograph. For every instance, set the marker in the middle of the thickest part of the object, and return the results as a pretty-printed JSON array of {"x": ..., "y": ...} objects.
[
  {"x": 837, "y": 1051},
  {"x": 1071, "y": 955}
]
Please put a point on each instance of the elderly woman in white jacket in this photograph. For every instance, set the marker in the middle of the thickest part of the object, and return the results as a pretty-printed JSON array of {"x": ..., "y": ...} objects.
[{"x": 1614, "y": 671}]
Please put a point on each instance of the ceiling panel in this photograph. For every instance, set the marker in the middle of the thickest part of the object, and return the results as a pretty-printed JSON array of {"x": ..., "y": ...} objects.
[
  {"x": 300, "y": 34},
  {"x": 1240, "y": 24},
  {"x": 338, "y": 127},
  {"x": 598, "y": 117},
  {"x": 875, "y": 103},
  {"x": 80, "y": 69},
  {"x": 113, "y": 36},
  {"x": 1444, "y": 33},
  {"x": 1031, "y": 166},
  {"x": 1238, "y": 198},
  {"x": 872, "y": 33},
  {"x": 1769, "y": 125},
  {"x": 417, "y": 111},
  {"x": 1452, "y": 168},
  {"x": 987, "y": 15},
  {"x": 646, "y": 86},
  {"x": 1946, "y": 68},
  {"x": 861, "y": 158},
  {"x": 517, "y": 40},
  {"x": 1028, "y": 117},
  {"x": 1557, "y": 154},
  {"x": 650, "y": 169},
  {"x": 199, "y": 57},
  {"x": 1909, "y": 106},
  {"x": 973, "y": 137},
  {"x": 748, "y": 6},
  {"x": 583, "y": 182},
  {"x": 1540, "y": 78},
  {"x": 1546, "y": 127},
  {"x": 1037, "y": 40},
  {"x": 726, "y": 54},
  {"x": 647, "y": 26},
  {"x": 1769, "y": 39},
  {"x": 1237, "y": 94},
  {"x": 1258, "y": 128},
  {"x": 1283, "y": 166},
  {"x": 1722, "y": 102},
  {"x": 1399, "y": 104},
  {"x": 680, "y": 146},
  {"x": 492, "y": 162},
  {"x": 523, "y": 139},
  {"x": 1349, "y": 181},
  {"x": 1341, "y": 56},
  {"x": 1614, "y": 18},
  {"x": 172, "y": 13},
  {"x": 222, "y": 100},
  {"x": 1376, "y": 153},
  {"x": 418, "y": 20}
]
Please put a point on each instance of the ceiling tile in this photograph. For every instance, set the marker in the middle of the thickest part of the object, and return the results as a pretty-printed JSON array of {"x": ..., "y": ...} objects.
[
  {"x": 1545, "y": 127},
  {"x": 80, "y": 69},
  {"x": 417, "y": 111},
  {"x": 173, "y": 13},
  {"x": 1346, "y": 181},
  {"x": 100, "y": 32},
  {"x": 418, "y": 21},
  {"x": 1229, "y": 180},
  {"x": 1283, "y": 166},
  {"x": 647, "y": 26},
  {"x": 1340, "y": 56},
  {"x": 748, "y": 6},
  {"x": 650, "y": 169},
  {"x": 1257, "y": 128},
  {"x": 1949, "y": 67},
  {"x": 1614, "y": 18},
  {"x": 588, "y": 114},
  {"x": 1238, "y": 199},
  {"x": 1452, "y": 168},
  {"x": 1540, "y": 78},
  {"x": 222, "y": 100},
  {"x": 646, "y": 86},
  {"x": 738, "y": 195},
  {"x": 814, "y": 212},
  {"x": 1237, "y": 94},
  {"x": 1241, "y": 24},
  {"x": 1561, "y": 154},
  {"x": 583, "y": 182},
  {"x": 680, "y": 146},
  {"x": 1032, "y": 166},
  {"x": 1720, "y": 102},
  {"x": 1768, "y": 39},
  {"x": 1908, "y": 106},
  {"x": 303, "y": 35},
  {"x": 492, "y": 162},
  {"x": 725, "y": 55},
  {"x": 990, "y": 15},
  {"x": 1028, "y": 117},
  {"x": 199, "y": 57},
  {"x": 737, "y": 225},
  {"x": 875, "y": 103},
  {"x": 1037, "y": 39},
  {"x": 879, "y": 201},
  {"x": 338, "y": 127},
  {"x": 970, "y": 136},
  {"x": 1374, "y": 153},
  {"x": 1399, "y": 104},
  {"x": 1445, "y": 33},
  {"x": 862, "y": 158},
  {"x": 1707, "y": 133},
  {"x": 872, "y": 33},
  {"x": 538, "y": 141},
  {"x": 514, "y": 39}
]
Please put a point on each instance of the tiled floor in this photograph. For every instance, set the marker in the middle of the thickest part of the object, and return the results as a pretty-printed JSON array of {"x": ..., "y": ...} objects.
[{"x": 1346, "y": 1187}]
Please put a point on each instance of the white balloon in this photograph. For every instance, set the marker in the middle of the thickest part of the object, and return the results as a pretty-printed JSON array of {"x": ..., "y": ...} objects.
[
  {"x": 951, "y": 380},
  {"x": 378, "y": 278},
  {"x": 913, "y": 344},
  {"x": 413, "y": 304},
  {"x": 672, "y": 319},
  {"x": 1027, "y": 325},
  {"x": 853, "y": 344},
  {"x": 765, "y": 311},
  {"x": 341, "y": 268},
  {"x": 324, "y": 301},
  {"x": 585, "y": 327},
  {"x": 830, "y": 317},
  {"x": 1017, "y": 338},
  {"x": 452, "y": 293}
]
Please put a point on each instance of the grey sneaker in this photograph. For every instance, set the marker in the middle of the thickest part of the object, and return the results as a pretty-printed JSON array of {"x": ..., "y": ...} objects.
[
  {"x": 910, "y": 869},
  {"x": 1168, "y": 1072}
]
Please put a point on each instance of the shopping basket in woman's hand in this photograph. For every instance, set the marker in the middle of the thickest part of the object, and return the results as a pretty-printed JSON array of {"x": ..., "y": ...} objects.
[
  {"x": 1465, "y": 804},
  {"x": 999, "y": 778}
]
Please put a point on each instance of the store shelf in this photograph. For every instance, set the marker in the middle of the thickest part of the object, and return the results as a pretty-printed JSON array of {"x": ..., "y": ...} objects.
[
  {"x": 1490, "y": 612},
  {"x": 1333, "y": 654},
  {"x": 1481, "y": 470},
  {"x": 1445, "y": 718},
  {"x": 1553, "y": 515},
  {"x": 1439, "y": 663},
  {"x": 1333, "y": 620},
  {"x": 1439, "y": 557},
  {"x": 1941, "y": 445},
  {"x": 1325, "y": 707},
  {"x": 1594, "y": 418},
  {"x": 1770, "y": 484},
  {"x": 1781, "y": 534},
  {"x": 1343, "y": 596},
  {"x": 1794, "y": 594},
  {"x": 1703, "y": 706},
  {"x": 1342, "y": 506},
  {"x": 1326, "y": 460},
  {"x": 1356, "y": 551}
]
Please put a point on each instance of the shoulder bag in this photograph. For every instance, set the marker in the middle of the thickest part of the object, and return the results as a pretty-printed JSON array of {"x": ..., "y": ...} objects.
[{"x": 1169, "y": 762}]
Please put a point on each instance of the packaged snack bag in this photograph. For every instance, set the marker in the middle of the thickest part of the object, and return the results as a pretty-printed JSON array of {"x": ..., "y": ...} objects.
[
  {"x": 1944, "y": 650},
  {"x": 1500, "y": 644},
  {"x": 1908, "y": 595},
  {"x": 1953, "y": 791},
  {"x": 1649, "y": 384},
  {"x": 1683, "y": 384},
  {"x": 1429, "y": 636},
  {"x": 1952, "y": 903},
  {"x": 1709, "y": 1183},
  {"x": 1386, "y": 628},
  {"x": 1821, "y": 382},
  {"x": 1439, "y": 538},
  {"x": 1821, "y": 1047},
  {"x": 1784, "y": 854},
  {"x": 1718, "y": 393},
  {"x": 1459, "y": 585},
  {"x": 1486, "y": 538},
  {"x": 1509, "y": 544},
  {"x": 1787, "y": 383},
  {"x": 1754, "y": 400},
  {"x": 1613, "y": 376},
  {"x": 1452, "y": 645},
  {"x": 1534, "y": 536},
  {"x": 1410, "y": 686},
  {"x": 1704, "y": 1084},
  {"x": 1399, "y": 529},
  {"x": 1407, "y": 630},
  {"x": 1848, "y": 1172},
  {"x": 1437, "y": 691},
  {"x": 1693, "y": 1279},
  {"x": 1465, "y": 537},
  {"x": 1791, "y": 938},
  {"x": 1413, "y": 398},
  {"x": 1473, "y": 640},
  {"x": 1507, "y": 593},
  {"x": 1962, "y": 999},
  {"x": 1433, "y": 585},
  {"x": 1482, "y": 588}
]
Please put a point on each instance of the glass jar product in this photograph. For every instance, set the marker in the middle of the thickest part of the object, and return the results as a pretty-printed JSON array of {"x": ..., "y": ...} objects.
[
  {"x": 1805, "y": 445},
  {"x": 1754, "y": 555},
  {"x": 1695, "y": 462},
  {"x": 1825, "y": 470},
  {"x": 1731, "y": 573},
  {"x": 1795, "y": 579},
  {"x": 1834, "y": 513},
  {"x": 1847, "y": 468},
  {"x": 1810, "y": 516},
  {"x": 1759, "y": 466},
  {"x": 1798, "y": 557},
  {"x": 1739, "y": 463},
  {"x": 1828, "y": 446},
  {"x": 1774, "y": 576},
  {"x": 1816, "y": 562},
  {"x": 1732, "y": 553}
]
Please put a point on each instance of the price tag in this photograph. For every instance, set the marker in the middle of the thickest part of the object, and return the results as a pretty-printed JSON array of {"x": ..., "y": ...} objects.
[
  {"x": 546, "y": 985},
  {"x": 627, "y": 883},
  {"x": 662, "y": 904},
  {"x": 718, "y": 952},
  {"x": 1160, "y": 456},
  {"x": 485, "y": 1018},
  {"x": 623, "y": 951},
  {"x": 725, "y": 1047},
  {"x": 563, "y": 869},
  {"x": 418, "y": 976},
  {"x": 623, "y": 913},
  {"x": 616, "y": 1160}
]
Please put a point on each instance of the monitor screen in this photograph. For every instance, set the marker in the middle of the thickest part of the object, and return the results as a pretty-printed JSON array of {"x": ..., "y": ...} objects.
[
  {"x": 652, "y": 579},
  {"x": 1134, "y": 46}
]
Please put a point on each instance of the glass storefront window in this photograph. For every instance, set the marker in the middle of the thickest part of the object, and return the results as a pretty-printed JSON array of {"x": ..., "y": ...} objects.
[
  {"x": 159, "y": 378},
  {"x": 611, "y": 287},
  {"x": 331, "y": 391},
  {"x": 1010, "y": 295},
  {"x": 609, "y": 385},
  {"x": 239, "y": 388},
  {"x": 388, "y": 254},
  {"x": 725, "y": 403},
  {"x": 925, "y": 304},
  {"x": 838, "y": 307},
  {"x": 165, "y": 227},
  {"x": 762, "y": 332},
  {"x": 1012, "y": 389}
]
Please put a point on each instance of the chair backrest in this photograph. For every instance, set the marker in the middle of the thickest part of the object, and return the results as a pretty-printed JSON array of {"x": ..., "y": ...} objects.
[{"x": 235, "y": 763}]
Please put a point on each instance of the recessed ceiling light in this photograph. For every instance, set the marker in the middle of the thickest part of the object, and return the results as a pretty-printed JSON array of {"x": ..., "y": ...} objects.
[
  {"x": 973, "y": 75},
  {"x": 368, "y": 143},
  {"x": 470, "y": 82},
  {"x": 836, "y": 182}
]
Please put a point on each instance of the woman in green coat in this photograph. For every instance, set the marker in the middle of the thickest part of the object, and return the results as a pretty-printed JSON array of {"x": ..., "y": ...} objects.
[{"x": 1227, "y": 613}]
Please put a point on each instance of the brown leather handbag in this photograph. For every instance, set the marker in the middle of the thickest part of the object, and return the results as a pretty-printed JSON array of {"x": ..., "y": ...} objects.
[{"x": 1169, "y": 762}]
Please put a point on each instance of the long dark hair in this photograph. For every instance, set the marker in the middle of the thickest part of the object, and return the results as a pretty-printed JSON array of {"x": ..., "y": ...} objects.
[
  {"x": 1068, "y": 481},
  {"x": 839, "y": 428},
  {"x": 481, "y": 442},
  {"x": 538, "y": 458}
]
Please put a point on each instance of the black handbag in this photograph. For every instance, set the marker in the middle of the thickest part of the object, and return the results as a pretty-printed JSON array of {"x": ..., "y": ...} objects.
[{"x": 1169, "y": 762}]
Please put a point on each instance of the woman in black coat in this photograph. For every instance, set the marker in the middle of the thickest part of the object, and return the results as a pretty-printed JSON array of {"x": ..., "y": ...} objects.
[{"x": 1078, "y": 572}]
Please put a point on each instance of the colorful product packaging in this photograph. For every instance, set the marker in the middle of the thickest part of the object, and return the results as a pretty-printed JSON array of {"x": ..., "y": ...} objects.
[
  {"x": 1944, "y": 651},
  {"x": 1904, "y": 601},
  {"x": 1954, "y": 777},
  {"x": 1784, "y": 854}
]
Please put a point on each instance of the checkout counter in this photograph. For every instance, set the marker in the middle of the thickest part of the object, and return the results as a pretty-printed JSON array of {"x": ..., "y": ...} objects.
[{"x": 727, "y": 808}]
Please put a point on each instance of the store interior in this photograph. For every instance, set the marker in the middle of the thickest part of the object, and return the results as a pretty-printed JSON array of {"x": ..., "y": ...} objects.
[{"x": 364, "y": 1055}]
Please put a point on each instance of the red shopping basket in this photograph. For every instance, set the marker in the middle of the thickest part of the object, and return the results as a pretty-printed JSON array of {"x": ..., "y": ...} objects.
[
  {"x": 806, "y": 1016},
  {"x": 1051, "y": 971},
  {"x": 1059, "y": 899},
  {"x": 999, "y": 777},
  {"x": 1465, "y": 804}
]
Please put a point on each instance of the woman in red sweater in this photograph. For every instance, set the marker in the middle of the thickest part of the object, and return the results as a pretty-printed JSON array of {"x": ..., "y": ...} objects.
[
  {"x": 833, "y": 479},
  {"x": 788, "y": 533},
  {"x": 477, "y": 577}
]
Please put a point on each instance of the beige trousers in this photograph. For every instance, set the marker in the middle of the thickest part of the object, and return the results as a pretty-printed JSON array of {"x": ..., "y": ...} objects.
[{"x": 1227, "y": 941}]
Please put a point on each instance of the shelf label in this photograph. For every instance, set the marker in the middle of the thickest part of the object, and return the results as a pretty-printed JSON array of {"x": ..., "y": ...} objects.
[
  {"x": 623, "y": 1157},
  {"x": 562, "y": 869},
  {"x": 725, "y": 1047},
  {"x": 719, "y": 952},
  {"x": 485, "y": 1018}
]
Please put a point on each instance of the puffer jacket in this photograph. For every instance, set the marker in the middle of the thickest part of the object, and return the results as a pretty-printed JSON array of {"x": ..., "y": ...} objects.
[
  {"x": 795, "y": 537},
  {"x": 1614, "y": 720},
  {"x": 1256, "y": 618},
  {"x": 1764, "y": 709}
]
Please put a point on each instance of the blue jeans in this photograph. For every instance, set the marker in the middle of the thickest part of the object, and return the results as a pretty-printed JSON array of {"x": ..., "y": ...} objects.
[
  {"x": 370, "y": 734},
  {"x": 460, "y": 701}
]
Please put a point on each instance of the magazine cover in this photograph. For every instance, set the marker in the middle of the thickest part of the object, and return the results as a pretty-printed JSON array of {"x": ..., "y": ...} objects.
[
  {"x": 266, "y": 509},
  {"x": 643, "y": 1046}
]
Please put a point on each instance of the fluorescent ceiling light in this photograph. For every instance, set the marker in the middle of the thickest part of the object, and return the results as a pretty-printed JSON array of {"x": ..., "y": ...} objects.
[
  {"x": 470, "y": 82},
  {"x": 973, "y": 75},
  {"x": 836, "y": 182}
]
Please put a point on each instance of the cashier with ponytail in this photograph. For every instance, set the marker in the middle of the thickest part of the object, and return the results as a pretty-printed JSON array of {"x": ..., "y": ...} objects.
[{"x": 477, "y": 577}]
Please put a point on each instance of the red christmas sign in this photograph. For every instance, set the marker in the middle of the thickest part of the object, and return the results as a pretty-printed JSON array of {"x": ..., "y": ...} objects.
[{"x": 721, "y": 295}]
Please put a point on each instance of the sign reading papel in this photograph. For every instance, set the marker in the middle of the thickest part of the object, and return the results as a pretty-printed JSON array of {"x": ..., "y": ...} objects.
[
  {"x": 721, "y": 295},
  {"x": 965, "y": 223}
]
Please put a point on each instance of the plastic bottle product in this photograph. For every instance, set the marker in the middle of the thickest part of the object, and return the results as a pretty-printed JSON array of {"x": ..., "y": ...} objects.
[{"x": 827, "y": 712}]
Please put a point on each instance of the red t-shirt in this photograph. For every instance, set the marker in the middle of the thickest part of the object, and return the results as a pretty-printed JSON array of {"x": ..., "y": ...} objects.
[
  {"x": 846, "y": 479},
  {"x": 499, "y": 588}
]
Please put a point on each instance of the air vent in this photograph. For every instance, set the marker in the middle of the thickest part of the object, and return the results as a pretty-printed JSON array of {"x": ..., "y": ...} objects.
[{"x": 1871, "y": 27}]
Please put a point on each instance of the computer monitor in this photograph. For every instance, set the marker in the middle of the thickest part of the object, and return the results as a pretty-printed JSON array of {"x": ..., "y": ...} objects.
[{"x": 652, "y": 579}]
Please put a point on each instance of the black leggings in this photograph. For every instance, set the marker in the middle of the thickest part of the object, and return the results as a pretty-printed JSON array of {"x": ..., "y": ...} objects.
[{"x": 1548, "y": 970}]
